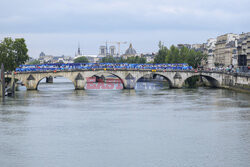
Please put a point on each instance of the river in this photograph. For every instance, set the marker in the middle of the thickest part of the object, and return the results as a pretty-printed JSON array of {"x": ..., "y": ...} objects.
[{"x": 58, "y": 126}]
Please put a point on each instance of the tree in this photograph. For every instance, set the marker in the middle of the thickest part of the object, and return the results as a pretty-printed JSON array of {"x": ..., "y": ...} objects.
[
  {"x": 162, "y": 54},
  {"x": 173, "y": 55},
  {"x": 184, "y": 52},
  {"x": 136, "y": 60},
  {"x": 13, "y": 53},
  {"x": 81, "y": 59},
  {"x": 132, "y": 59},
  {"x": 108, "y": 59},
  {"x": 142, "y": 60},
  {"x": 195, "y": 58},
  {"x": 34, "y": 62},
  {"x": 182, "y": 55}
]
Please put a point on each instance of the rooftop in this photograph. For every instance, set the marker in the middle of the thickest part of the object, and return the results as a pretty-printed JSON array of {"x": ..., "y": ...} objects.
[{"x": 130, "y": 50}]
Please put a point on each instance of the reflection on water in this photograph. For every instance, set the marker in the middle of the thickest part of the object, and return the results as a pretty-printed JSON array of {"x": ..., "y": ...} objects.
[{"x": 59, "y": 126}]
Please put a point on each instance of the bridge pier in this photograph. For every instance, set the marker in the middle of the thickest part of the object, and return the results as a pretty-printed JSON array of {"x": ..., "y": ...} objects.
[
  {"x": 80, "y": 85},
  {"x": 129, "y": 86},
  {"x": 31, "y": 83},
  {"x": 129, "y": 82},
  {"x": 178, "y": 83},
  {"x": 49, "y": 79},
  {"x": 79, "y": 82}
]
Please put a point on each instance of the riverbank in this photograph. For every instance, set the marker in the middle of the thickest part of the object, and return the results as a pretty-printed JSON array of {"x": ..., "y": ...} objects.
[{"x": 239, "y": 88}]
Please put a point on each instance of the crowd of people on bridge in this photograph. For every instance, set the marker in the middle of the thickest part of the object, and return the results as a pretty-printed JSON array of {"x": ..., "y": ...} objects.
[
  {"x": 91, "y": 66},
  {"x": 228, "y": 69}
]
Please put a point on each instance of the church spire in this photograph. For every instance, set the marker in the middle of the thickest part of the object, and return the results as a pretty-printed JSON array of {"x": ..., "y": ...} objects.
[{"x": 79, "y": 50}]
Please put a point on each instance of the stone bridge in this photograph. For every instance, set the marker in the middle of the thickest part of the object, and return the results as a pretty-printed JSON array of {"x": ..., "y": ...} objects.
[{"x": 129, "y": 77}]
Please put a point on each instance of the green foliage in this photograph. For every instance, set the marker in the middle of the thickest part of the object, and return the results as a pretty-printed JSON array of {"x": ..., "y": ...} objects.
[
  {"x": 108, "y": 59},
  {"x": 34, "y": 62},
  {"x": 161, "y": 56},
  {"x": 192, "y": 82},
  {"x": 175, "y": 55},
  {"x": 13, "y": 53},
  {"x": 151, "y": 62},
  {"x": 216, "y": 64},
  {"x": 81, "y": 59},
  {"x": 134, "y": 59}
]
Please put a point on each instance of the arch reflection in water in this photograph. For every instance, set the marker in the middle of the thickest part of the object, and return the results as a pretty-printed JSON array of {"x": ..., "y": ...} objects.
[
  {"x": 59, "y": 84},
  {"x": 153, "y": 82}
]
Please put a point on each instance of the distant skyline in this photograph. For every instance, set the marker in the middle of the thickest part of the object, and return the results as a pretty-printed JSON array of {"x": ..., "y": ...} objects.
[{"x": 56, "y": 27}]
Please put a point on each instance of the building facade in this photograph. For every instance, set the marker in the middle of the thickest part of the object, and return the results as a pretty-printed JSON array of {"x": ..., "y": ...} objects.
[
  {"x": 179, "y": 46},
  {"x": 112, "y": 51},
  {"x": 149, "y": 57},
  {"x": 102, "y": 51},
  {"x": 244, "y": 51},
  {"x": 226, "y": 50},
  {"x": 43, "y": 58},
  {"x": 209, "y": 51}
]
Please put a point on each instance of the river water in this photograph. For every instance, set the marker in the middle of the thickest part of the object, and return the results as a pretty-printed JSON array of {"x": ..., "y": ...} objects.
[{"x": 58, "y": 126}]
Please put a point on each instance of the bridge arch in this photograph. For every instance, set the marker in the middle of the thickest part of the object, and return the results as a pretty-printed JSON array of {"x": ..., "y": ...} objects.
[
  {"x": 212, "y": 80},
  {"x": 100, "y": 73},
  {"x": 154, "y": 74},
  {"x": 54, "y": 75}
]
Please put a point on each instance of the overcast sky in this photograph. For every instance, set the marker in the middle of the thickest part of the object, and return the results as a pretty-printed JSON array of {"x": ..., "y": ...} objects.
[{"x": 56, "y": 26}]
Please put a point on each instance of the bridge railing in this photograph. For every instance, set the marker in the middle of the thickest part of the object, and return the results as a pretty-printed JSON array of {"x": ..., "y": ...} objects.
[
  {"x": 71, "y": 66},
  {"x": 130, "y": 69}
]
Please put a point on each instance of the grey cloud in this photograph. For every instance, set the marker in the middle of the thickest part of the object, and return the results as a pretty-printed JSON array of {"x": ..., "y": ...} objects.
[
  {"x": 143, "y": 22},
  {"x": 110, "y": 15}
]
